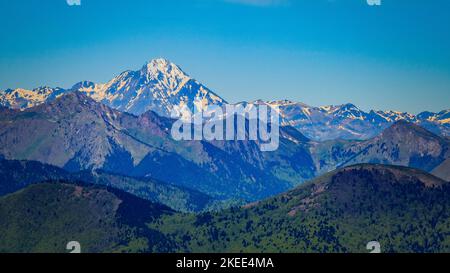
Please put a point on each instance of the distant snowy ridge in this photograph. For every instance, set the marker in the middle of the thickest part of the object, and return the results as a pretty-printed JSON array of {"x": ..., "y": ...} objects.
[
  {"x": 348, "y": 121},
  {"x": 22, "y": 98}
]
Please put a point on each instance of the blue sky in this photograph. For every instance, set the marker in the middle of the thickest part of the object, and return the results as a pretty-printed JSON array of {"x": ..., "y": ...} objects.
[{"x": 394, "y": 56}]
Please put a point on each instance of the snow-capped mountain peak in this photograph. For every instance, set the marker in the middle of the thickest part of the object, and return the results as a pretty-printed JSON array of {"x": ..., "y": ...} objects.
[
  {"x": 164, "y": 73},
  {"x": 349, "y": 111},
  {"x": 159, "y": 85},
  {"x": 162, "y": 66}
]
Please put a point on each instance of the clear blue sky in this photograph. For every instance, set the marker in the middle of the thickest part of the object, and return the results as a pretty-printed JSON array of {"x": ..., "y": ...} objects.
[{"x": 395, "y": 56}]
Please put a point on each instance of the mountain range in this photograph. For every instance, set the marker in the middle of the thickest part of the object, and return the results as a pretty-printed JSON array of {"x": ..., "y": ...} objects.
[
  {"x": 161, "y": 86},
  {"x": 77, "y": 133},
  {"x": 97, "y": 162},
  {"x": 349, "y": 122}
]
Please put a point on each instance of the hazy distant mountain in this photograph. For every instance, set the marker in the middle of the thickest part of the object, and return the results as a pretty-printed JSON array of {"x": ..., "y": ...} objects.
[{"x": 403, "y": 144}]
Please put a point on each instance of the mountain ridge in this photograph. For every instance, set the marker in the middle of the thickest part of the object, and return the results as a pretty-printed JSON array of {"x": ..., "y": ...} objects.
[
  {"x": 404, "y": 209},
  {"x": 16, "y": 175},
  {"x": 43, "y": 218}
]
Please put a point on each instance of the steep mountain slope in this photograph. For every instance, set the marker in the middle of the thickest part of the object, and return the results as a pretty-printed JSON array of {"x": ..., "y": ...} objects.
[
  {"x": 45, "y": 217},
  {"x": 176, "y": 197},
  {"x": 77, "y": 133},
  {"x": 404, "y": 209},
  {"x": 443, "y": 170},
  {"x": 70, "y": 132},
  {"x": 16, "y": 175},
  {"x": 404, "y": 144}
]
